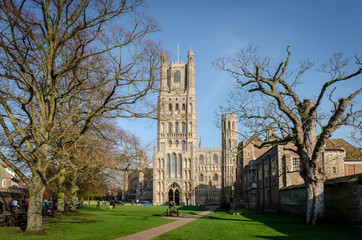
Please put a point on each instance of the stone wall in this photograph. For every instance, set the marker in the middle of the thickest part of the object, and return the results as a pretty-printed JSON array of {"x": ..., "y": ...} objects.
[{"x": 343, "y": 199}]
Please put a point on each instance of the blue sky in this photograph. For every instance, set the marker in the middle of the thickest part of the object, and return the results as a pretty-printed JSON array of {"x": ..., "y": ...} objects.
[{"x": 313, "y": 29}]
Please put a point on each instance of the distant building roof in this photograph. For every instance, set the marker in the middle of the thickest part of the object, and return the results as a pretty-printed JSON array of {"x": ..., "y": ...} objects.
[{"x": 352, "y": 153}]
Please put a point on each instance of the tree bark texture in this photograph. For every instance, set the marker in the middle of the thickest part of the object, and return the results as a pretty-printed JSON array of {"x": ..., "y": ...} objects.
[
  {"x": 315, "y": 201},
  {"x": 61, "y": 193},
  {"x": 312, "y": 170},
  {"x": 73, "y": 197},
  {"x": 36, "y": 190}
]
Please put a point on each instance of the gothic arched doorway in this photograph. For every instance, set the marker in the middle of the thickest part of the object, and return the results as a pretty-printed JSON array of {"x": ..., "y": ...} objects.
[
  {"x": 174, "y": 194},
  {"x": 177, "y": 197},
  {"x": 170, "y": 195}
]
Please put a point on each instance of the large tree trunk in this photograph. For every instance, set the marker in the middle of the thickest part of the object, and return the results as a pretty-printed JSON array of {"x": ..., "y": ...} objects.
[
  {"x": 312, "y": 169},
  {"x": 73, "y": 197},
  {"x": 61, "y": 192},
  {"x": 315, "y": 201},
  {"x": 36, "y": 190}
]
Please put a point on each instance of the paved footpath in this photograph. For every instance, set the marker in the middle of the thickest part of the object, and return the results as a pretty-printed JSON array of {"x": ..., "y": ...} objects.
[{"x": 154, "y": 232}]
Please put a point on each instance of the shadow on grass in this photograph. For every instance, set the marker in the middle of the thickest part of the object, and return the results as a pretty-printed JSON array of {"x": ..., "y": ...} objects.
[{"x": 293, "y": 227}]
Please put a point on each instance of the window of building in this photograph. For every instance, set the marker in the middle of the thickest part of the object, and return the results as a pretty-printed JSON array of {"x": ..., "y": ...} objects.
[
  {"x": 274, "y": 166},
  {"x": 176, "y": 107},
  {"x": 201, "y": 159},
  {"x": 184, "y": 145},
  {"x": 253, "y": 176},
  {"x": 179, "y": 165},
  {"x": 174, "y": 169},
  {"x": 201, "y": 178},
  {"x": 170, "y": 107},
  {"x": 177, "y": 143},
  {"x": 215, "y": 177},
  {"x": 334, "y": 170},
  {"x": 176, "y": 127},
  {"x": 183, "y": 107},
  {"x": 176, "y": 77},
  {"x": 170, "y": 143},
  {"x": 183, "y": 127},
  {"x": 3, "y": 183},
  {"x": 266, "y": 169},
  {"x": 168, "y": 166},
  {"x": 170, "y": 126},
  {"x": 296, "y": 164},
  {"x": 214, "y": 159}
]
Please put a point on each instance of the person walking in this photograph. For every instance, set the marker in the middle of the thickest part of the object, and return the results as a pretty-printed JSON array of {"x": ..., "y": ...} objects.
[
  {"x": 98, "y": 204},
  {"x": 11, "y": 206}
]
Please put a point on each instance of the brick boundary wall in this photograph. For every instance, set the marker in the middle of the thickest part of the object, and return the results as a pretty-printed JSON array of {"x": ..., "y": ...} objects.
[{"x": 343, "y": 199}]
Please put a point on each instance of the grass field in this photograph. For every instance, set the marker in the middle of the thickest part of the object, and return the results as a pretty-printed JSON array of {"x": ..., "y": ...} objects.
[
  {"x": 258, "y": 225},
  {"x": 107, "y": 223}
]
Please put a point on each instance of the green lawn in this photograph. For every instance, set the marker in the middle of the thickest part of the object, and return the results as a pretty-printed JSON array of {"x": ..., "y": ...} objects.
[
  {"x": 258, "y": 225},
  {"x": 124, "y": 220},
  {"x": 100, "y": 224}
]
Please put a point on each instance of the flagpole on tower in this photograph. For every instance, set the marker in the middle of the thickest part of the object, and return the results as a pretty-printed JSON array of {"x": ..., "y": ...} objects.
[{"x": 178, "y": 52}]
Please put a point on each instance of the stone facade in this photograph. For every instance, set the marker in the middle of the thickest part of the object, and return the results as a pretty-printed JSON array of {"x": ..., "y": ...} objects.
[
  {"x": 276, "y": 168},
  {"x": 182, "y": 171}
]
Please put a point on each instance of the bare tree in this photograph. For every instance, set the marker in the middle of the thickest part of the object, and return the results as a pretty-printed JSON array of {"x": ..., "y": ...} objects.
[
  {"x": 88, "y": 55},
  {"x": 266, "y": 98}
]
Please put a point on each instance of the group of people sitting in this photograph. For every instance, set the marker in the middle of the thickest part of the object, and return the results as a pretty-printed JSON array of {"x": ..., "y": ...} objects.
[{"x": 15, "y": 206}]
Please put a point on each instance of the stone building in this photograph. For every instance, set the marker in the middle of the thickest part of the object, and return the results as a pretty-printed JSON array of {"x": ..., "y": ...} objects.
[
  {"x": 182, "y": 171},
  {"x": 353, "y": 155},
  {"x": 276, "y": 167}
]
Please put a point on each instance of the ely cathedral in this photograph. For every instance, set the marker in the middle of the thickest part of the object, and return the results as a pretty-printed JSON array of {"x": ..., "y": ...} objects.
[{"x": 184, "y": 171}]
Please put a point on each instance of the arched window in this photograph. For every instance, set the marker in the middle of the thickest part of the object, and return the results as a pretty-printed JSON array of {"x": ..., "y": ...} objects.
[
  {"x": 176, "y": 77},
  {"x": 177, "y": 143},
  {"x": 168, "y": 166},
  {"x": 176, "y": 127},
  {"x": 184, "y": 145},
  {"x": 215, "y": 177},
  {"x": 162, "y": 127},
  {"x": 214, "y": 159},
  {"x": 201, "y": 178},
  {"x": 170, "y": 143},
  {"x": 170, "y": 126},
  {"x": 183, "y": 127},
  {"x": 174, "y": 165},
  {"x": 176, "y": 107},
  {"x": 183, "y": 107},
  {"x": 233, "y": 125},
  {"x": 179, "y": 166},
  {"x": 3, "y": 183},
  {"x": 170, "y": 107},
  {"x": 229, "y": 125},
  {"x": 201, "y": 159}
]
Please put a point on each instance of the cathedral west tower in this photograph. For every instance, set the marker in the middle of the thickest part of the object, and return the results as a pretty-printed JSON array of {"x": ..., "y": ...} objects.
[{"x": 182, "y": 171}]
